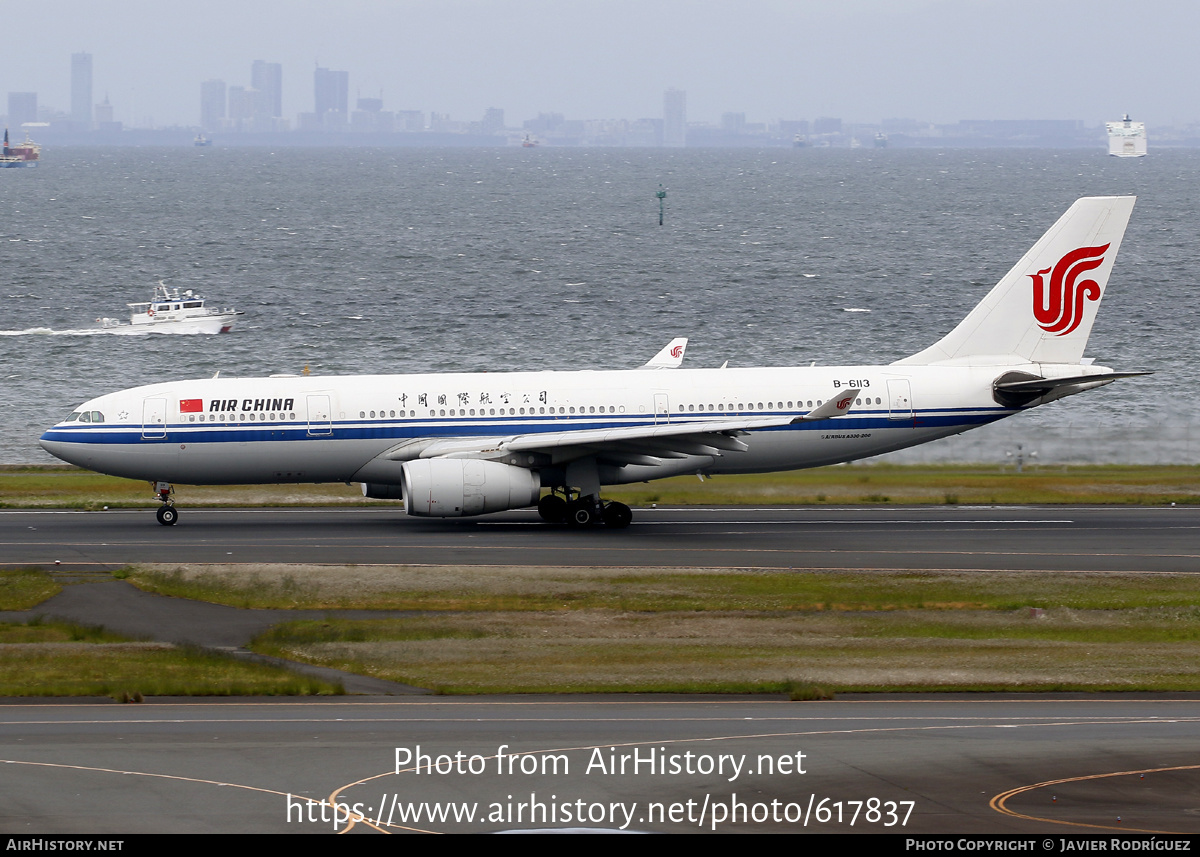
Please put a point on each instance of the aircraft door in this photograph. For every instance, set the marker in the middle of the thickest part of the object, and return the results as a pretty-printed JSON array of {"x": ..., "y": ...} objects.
[
  {"x": 319, "y": 416},
  {"x": 899, "y": 399},
  {"x": 154, "y": 419},
  {"x": 662, "y": 408}
]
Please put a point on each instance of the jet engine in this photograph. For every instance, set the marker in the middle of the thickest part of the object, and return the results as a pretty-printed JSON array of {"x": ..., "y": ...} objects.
[{"x": 458, "y": 487}]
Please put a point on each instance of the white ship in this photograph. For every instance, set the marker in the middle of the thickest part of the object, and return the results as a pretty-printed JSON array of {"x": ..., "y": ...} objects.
[
  {"x": 173, "y": 311},
  {"x": 1126, "y": 139}
]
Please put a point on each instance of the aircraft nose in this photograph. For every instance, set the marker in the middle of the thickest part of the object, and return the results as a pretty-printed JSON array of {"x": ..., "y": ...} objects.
[
  {"x": 51, "y": 446},
  {"x": 53, "y": 443}
]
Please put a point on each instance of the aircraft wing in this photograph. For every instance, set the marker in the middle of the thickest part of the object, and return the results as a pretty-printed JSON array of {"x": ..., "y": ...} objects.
[{"x": 643, "y": 444}]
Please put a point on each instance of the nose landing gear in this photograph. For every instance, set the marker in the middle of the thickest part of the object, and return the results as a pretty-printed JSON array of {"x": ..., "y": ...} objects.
[{"x": 167, "y": 514}]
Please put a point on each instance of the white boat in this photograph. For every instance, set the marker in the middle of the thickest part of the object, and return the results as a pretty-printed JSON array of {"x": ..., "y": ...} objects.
[
  {"x": 173, "y": 311},
  {"x": 1126, "y": 139}
]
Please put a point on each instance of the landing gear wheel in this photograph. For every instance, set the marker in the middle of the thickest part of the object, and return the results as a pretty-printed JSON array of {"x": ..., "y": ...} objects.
[
  {"x": 553, "y": 509},
  {"x": 617, "y": 516},
  {"x": 580, "y": 514},
  {"x": 167, "y": 515}
]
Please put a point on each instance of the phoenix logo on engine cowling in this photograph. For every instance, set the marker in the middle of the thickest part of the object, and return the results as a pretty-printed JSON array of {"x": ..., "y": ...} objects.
[{"x": 1058, "y": 307}]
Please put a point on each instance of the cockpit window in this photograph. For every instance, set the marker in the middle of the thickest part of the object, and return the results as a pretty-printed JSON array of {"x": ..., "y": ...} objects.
[
  {"x": 72, "y": 417},
  {"x": 97, "y": 417},
  {"x": 85, "y": 417}
]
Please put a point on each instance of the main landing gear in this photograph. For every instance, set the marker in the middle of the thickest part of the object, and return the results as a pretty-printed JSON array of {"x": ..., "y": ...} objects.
[
  {"x": 167, "y": 514},
  {"x": 578, "y": 511}
]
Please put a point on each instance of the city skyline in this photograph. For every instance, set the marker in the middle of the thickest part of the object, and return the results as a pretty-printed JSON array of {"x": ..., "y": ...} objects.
[{"x": 863, "y": 60}]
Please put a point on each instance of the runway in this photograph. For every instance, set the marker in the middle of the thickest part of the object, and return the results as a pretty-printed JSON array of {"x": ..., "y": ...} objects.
[
  {"x": 1116, "y": 539},
  {"x": 940, "y": 765},
  {"x": 1049, "y": 765}
]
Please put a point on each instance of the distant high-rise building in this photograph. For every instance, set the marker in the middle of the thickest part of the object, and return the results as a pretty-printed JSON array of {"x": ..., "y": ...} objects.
[
  {"x": 22, "y": 108},
  {"x": 493, "y": 121},
  {"x": 81, "y": 89},
  {"x": 675, "y": 118},
  {"x": 410, "y": 120},
  {"x": 104, "y": 117},
  {"x": 241, "y": 105},
  {"x": 212, "y": 104},
  {"x": 267, "y": 78},
  {"x": 104, "y": 112},
  {"x": 331, "y": 92}
]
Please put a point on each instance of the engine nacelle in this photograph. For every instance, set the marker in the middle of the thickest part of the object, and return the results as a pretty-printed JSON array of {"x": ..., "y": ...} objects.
[
  {"x": 458, "y": 487},
  {"x": 377, "y": 491}
]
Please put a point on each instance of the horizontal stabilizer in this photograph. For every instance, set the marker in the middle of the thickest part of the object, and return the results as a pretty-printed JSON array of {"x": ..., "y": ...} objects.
[{"x": 1042, "y": 385}]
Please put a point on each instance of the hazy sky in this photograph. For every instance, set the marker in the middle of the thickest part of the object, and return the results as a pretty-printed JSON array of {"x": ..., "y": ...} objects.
[{"x": 861, "y": 60}]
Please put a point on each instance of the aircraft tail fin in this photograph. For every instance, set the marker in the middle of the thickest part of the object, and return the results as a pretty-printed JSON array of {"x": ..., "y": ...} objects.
[
  {"x": 1042, "y": 310},
  {"x": 671, "y": 356}
]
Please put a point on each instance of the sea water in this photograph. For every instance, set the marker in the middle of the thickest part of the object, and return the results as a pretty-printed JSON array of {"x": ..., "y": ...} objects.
[{"x": 441, "y": 260}]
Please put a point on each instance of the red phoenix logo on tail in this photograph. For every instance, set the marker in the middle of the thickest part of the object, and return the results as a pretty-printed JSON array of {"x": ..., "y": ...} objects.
[
  {"x": 1058, "y": 307},
  {"x": 677, "y": 350}
]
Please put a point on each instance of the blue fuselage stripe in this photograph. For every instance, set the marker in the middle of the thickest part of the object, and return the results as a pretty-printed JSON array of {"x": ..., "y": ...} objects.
[{"x": 482, "y": 427}]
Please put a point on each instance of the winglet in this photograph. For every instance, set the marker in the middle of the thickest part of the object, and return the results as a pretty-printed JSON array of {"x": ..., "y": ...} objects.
[
  {"x": 835, "y": 407},
  {"x": 670, "y": 357}
]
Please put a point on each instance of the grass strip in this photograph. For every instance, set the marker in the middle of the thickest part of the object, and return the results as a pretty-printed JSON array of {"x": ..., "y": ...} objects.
[
  {"x": 485, "y": 588},
  {"x": 42, "y": 658},
  {"x": 610, "y": 651},
  {"x": 559, "y": 630},
  {"x": 23, "y": 588},
  {"x": 873, "y": 484}
]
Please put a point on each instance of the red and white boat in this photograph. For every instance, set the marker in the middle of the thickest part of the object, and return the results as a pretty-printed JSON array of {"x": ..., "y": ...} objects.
[{"x": 22, "y": 155}]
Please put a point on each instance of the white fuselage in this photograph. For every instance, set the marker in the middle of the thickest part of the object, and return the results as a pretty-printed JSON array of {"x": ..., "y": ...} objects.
[{"x": 358, "y": 428}]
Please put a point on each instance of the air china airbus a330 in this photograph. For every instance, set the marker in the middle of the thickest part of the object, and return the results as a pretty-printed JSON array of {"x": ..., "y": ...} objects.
[{"x": 452, "y": 445}]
